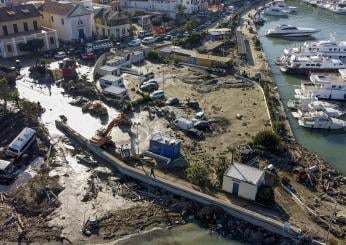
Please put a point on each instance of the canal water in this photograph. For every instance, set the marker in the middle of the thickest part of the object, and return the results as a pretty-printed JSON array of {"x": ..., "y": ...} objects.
[{"x": 329, "y": 145}]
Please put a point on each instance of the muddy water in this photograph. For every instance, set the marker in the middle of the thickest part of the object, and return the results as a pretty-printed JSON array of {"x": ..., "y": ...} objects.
[
  {"x": 189, "y": 234},
  {"x": 329, "y": 145},
  {"x": 56, "y": 104}
]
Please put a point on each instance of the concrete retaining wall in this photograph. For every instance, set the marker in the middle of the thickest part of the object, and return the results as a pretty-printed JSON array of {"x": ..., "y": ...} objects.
[{"x": 255, "y": 218}]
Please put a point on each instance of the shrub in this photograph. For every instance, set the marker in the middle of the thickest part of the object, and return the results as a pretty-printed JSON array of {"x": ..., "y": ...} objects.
[
  {"x": 198, "y": 174},
  {"x": 269, "y": 140},
  {"x": 153, "y": 56},
  {"x": 265, "y": 195}
]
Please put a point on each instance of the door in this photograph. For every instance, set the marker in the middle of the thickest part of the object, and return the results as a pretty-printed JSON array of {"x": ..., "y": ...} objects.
[
  {"x": 235, "y": 189},
  {"x": 81, "y": 34}
]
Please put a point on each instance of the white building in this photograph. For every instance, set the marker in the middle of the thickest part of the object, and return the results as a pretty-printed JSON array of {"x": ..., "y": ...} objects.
[
  {"x": 109, "y": 23},
  {"x": 242, "y": 180},
  {"x": 168, "y": 8},
  {"x": 111, "y": 80},
  {"x": 72, "y": 21}
]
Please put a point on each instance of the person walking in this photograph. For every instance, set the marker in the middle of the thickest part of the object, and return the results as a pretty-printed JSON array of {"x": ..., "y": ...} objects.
[{"x": 152, "y": 172}]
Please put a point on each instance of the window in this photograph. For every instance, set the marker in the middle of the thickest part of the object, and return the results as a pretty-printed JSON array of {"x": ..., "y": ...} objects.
[
  {"x": 9, "y": 48},
  {"x": 80, "y": 22},
  {"x": 25, "y": 26},
  {"x": 123, "y": 31},
  {"x": 35, "y": 25},
  {"x": 51, "y": 39},
  {"x": 307, "y": 64},
  {"x": 109, "y": 32},
  {"x": 15, "y": 28},
  {"x": 62, "y": 21},
  {"x": 4, "y": 29},
  {"x": 51, "y": 17}
]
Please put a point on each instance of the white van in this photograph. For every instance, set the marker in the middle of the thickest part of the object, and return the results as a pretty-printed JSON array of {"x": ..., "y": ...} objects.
[
  {"x": 149, "y": 40},
  {"x": 21, "y": 143}
]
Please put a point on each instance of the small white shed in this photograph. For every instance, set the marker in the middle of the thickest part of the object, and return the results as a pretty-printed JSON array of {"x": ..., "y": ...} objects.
[
  {"x": 110, "y": 80},
  {"x": 242, "y": 180},
  {"x": 108, "y": 70}
]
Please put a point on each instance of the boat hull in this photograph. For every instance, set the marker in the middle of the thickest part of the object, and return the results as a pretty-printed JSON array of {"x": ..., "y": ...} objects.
[
  {"x": 290, "y": 70},
  {"x": 301, "y": 34}
]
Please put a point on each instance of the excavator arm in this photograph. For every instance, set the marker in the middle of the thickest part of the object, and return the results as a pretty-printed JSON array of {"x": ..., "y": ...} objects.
[{"x": 105, "y": 138}]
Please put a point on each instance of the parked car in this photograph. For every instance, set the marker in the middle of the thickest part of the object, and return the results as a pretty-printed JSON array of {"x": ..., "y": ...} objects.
[
  {"x": 134, "y": 43},
  {"x": 146, "y": 77},
  {"x": 158, "y": 94},
  {"x": 149, "y": 40},
  {"x": 88, "y": 56},
  {"x": 151, "y": 81},
  {"x": 168, "y": 37},
  {"x": 201, "y": 125},
  {"x": 60, "y": 55},
  {"x": 183, "y": 123},
  {"x": 7, "y": 172},
  {"x": 200, "y": 115},
  {"x": 172, "y": 101},
  {"x": 149, "y": 87},
  {"x": 195, "y": 133}
]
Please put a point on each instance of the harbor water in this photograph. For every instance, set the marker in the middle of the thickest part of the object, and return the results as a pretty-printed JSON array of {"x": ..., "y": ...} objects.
[{"x": 330, "y": 146}]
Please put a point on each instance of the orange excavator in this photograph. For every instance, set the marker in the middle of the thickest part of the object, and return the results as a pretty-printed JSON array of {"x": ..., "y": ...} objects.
[{"x": 103, "y": 137}]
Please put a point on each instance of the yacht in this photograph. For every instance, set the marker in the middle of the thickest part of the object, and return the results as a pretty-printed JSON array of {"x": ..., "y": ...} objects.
[
  {"x": 331, "y": 112},
  {"x": 275, "y": 11},
  {"x": 326, "y": 48},
  {"x": 290, "y": 31},
  {"x": 304, "y": 64},
  {"x": 323, "y": 87},
  {"x": 321, "y": 120}
]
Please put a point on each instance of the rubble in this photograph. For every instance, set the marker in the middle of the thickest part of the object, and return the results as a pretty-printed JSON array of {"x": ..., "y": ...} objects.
[{"x": 96, "y": 109}]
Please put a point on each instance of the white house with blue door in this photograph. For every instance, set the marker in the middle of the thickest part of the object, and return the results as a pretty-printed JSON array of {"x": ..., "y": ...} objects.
[{"x": 242, "y": 180}]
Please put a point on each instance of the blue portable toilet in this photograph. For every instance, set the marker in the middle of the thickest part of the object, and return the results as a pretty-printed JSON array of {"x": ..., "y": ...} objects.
[{"x": 164, "y": 146}]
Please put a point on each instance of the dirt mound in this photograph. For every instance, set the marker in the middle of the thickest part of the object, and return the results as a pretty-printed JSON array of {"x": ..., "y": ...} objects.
[
  {"x": 38, "y": 197},
  {"x": 96, "y": 109}
]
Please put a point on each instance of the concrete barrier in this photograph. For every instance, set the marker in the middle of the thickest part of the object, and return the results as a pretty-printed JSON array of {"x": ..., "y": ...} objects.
[{"x": 239, "y": 212}]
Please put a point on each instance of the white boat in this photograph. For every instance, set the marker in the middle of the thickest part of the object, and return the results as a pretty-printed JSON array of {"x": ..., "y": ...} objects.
[
  {"x": 320, "y": 120},
  {"x": 325, "y": 87},
  {"x": 275, "y": 11},
  {"x": 327, "y": 48},
  {"x": 304, "y": 64},
  {"x": 311, "y": 108},
  {"x": 290, "y": 31}
]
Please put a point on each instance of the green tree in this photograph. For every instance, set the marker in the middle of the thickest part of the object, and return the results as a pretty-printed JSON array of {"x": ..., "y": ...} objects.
[
  {"x": 5, "y": 93},
  {"x": 189, "y": 26},
  {"x": 28, "y": 108},
  {"x": 181, "y": 8},
  {"x": 269, "y": 140},
  {"x": 220, "y": 168},
  {"x": 198, "y": 174},
  {"x": 265, "y": 195}
]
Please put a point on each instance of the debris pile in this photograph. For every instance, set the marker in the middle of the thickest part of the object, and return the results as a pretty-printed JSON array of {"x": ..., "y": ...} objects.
[
  {"x": 96, "y": 109},
  {"x": 135, "y": 219}
]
